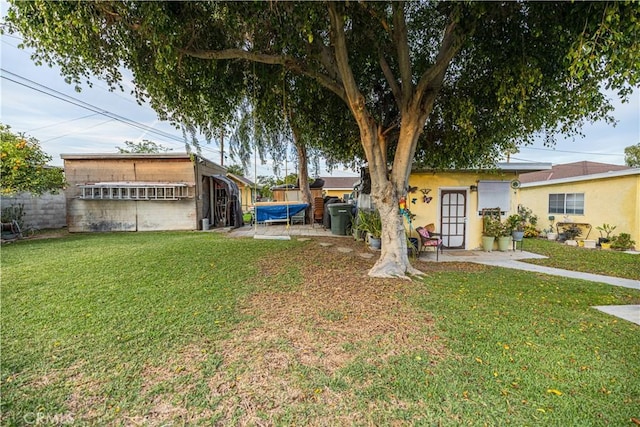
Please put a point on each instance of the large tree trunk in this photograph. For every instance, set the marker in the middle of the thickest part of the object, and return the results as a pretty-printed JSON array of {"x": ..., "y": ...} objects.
[
  {"x": 386, "y": 191},
  {"x": 416, "y": 103}
]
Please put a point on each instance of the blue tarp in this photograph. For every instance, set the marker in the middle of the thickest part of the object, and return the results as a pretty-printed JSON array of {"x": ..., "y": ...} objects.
[{"x": 277, "y": 212}]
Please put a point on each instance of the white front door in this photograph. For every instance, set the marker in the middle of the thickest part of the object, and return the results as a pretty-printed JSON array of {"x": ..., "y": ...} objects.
[{"x": 453, "y": 218}]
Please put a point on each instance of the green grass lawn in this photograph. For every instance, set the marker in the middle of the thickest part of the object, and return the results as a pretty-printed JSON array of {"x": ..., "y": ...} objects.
[
  {"x": 609, "y": 263},
  {"x": 168, "y": 328}
]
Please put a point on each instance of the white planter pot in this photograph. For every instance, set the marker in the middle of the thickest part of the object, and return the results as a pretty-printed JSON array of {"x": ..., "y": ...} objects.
[
  {"x": 590, "y": 244},
  {"x": 552, "y": 236},
  {"x": 571, "y": 243}
]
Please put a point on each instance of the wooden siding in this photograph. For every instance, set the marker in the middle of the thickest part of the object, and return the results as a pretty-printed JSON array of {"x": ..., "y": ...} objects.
[{"x": 120, "y": 215}]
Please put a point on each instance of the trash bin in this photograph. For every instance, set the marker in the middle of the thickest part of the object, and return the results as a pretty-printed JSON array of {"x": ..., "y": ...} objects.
[{"x": 340, "y": 218}]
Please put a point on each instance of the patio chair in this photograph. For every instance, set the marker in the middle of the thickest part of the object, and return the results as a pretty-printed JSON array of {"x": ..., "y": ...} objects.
[
  {"x": 429, "y": 239},
  {"x": 318, "y": 211}
]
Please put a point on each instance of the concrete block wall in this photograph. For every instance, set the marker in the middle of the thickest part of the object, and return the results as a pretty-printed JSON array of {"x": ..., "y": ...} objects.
[
  {"x": 121, "y": 215},
  {"x": 45, "y": 211}
]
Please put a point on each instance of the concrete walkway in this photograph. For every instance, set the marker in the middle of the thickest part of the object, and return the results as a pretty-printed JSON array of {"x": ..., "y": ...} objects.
[
  {"x": 630, "y": 313},
  {"x": 509, "y": 259},
  {"x": 626, "y": 312}
]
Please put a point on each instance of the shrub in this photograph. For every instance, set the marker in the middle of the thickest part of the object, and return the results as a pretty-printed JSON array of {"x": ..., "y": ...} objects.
[
  {"x": 622, "y": 241},
  {"x": 531, "y": 231}
]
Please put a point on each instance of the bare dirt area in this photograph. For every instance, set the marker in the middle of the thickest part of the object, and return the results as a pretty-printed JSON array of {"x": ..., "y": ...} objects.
[{"x": 332, "y": 316}]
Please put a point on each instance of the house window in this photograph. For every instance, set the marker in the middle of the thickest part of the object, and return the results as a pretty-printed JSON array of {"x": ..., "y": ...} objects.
[
  {"x": 494, "y": 194},
  {"x": 566, "y": 203}
]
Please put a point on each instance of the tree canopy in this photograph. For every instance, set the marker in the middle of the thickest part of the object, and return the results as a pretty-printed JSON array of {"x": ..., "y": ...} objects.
[
  {"x": 144, "y": 146},
  {"x": 434, "y": 83},
  {"x": 235, "y": 169},
  {"x": 632, "y": 156},
  {"x": 23, "y": 165}
]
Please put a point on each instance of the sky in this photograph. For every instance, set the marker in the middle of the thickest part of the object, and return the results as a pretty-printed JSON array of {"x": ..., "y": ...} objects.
[{"x": 36, "y": 100}]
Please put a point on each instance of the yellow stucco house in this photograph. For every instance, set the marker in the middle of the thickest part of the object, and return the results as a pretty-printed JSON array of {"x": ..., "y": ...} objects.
[
  {"x": 248, "y": 190},
  {"x": 611, "y": 197},
  {"x": 454, "y": 200}
]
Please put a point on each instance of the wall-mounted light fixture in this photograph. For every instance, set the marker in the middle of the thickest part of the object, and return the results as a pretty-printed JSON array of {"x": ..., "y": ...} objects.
[{"x": 473, "y": 188}]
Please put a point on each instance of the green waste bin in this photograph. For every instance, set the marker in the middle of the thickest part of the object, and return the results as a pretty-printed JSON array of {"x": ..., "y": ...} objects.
[{"x": 340, "y": 218}]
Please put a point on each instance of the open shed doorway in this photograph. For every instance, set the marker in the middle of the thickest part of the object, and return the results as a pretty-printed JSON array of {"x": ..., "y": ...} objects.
[{"x": 221, "y": 202}]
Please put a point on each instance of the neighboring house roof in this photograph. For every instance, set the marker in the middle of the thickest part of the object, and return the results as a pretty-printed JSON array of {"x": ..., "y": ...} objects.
[
  {"x": 519, "y": 168},
  {"x": 591, "y": 177},
  {"x": 247, "y": 182},
  {"x": 339, "y": 182},
  {"x": 570, "y": 170}
]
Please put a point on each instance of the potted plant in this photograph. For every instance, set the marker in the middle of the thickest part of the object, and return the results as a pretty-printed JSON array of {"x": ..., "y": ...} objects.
[
  {"x": 605, "y": 235},
  {"x": 413, "y": 245},
  {"x": 503, "y": 237},
  {"x": 492, "y": 228},
  {"x": 369, "y": 221},
  {"x": 622, "y": 242},
  {"x": 570, "y": 234},
  {"x": 521, "y": 222},
  {"x": 515, "y": 225},
  {"x": 551, "y": 235}
]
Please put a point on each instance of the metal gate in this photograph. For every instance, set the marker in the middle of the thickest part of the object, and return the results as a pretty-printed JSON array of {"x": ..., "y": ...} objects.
[{"x": 453, "y": 218}]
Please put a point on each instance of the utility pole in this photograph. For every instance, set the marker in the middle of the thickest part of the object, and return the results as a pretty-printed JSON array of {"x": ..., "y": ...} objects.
[{"x": 221, "y": 147}]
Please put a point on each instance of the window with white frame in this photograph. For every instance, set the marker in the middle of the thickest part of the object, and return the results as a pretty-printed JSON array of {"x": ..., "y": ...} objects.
[
  {"x": 494, "y": 194},
  {"x": 566, "y": 203}
]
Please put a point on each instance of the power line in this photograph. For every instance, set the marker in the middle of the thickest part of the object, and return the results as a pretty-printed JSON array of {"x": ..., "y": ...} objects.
[
  {"x": 97, "y": 110},
  {"x": 82, "y": 104},
  {"x": 90, "y": 127},
  {"x": 570, "y": 152},
  {"x": 97, "y": 84},
  {"x": 60, "y": 123}
]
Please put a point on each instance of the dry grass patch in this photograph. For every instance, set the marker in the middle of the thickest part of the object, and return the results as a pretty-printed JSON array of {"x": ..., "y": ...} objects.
[{"x": 334, "y": 315}]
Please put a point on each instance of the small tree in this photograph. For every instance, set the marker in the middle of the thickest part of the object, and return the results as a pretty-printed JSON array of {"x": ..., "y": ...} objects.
[
  {"x": 145, "y": 146},
  {"x": 24, "y": 166},
  {"x": 632, "y": 156},
  {"x": 236, "y": 170}
]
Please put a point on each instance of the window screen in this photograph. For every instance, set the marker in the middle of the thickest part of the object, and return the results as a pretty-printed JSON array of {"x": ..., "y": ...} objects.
[
  {"x": 566, "y": 203},
  {"x": 494, "y": 194}
]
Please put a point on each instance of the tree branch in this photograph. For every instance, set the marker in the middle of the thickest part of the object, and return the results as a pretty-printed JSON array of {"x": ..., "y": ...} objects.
[
  {"x": 402, "y": 47},
  {"x": 391, "y": 79},
  {"x": 263, "y": 58},
  {"x": 376, "y": 16},
  {"x": 435, "y": 74},
  {"x": 355, "y": 98},
  {"x": 326, "y": 59}
]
